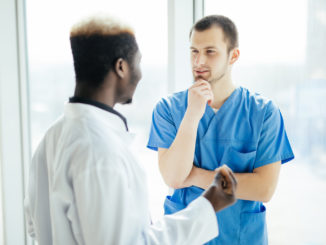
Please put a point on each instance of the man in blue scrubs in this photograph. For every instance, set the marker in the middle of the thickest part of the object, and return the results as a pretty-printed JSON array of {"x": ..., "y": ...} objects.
[{"x": 214, "y": 123}]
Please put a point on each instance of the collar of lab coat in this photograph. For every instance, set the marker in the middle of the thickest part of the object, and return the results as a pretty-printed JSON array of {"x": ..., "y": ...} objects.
[
  {"x": 93, "y": 113},
  {"x": 105, "y": 107}
]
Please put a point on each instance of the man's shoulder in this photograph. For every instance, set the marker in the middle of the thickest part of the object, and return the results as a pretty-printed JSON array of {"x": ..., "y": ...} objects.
[
  {"x": 49, "y": 140},
  {"x": 174, "y": 100},
  {"x": 79, "y": 132},
  {"x": 181, "y": 95},
  {"x": 53, "y": 129},
  {"x": 257, "y": 101},
  {"x": 91, "y": 141}
]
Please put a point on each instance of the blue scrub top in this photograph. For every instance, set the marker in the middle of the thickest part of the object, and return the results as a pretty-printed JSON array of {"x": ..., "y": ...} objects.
[{"x": 247, "y": 132}]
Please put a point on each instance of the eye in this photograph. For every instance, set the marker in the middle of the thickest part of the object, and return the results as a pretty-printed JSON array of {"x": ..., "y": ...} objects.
[
  {"x": 194, "y": 51},
  {"x": 210, "y": 51}
]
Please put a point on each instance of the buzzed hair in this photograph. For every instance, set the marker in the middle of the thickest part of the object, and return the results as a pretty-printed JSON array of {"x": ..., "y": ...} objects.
[
  {"x": 228, "y": 27},
  {"x": 97, "y": 43}
]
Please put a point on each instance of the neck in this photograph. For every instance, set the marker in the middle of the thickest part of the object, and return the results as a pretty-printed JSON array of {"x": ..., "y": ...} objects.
[
  {"x": 104, "y": 95},
  {"x": 222, "y": 90}
]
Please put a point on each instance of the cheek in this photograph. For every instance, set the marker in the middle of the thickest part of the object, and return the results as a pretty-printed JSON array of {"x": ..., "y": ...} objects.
[
  {"x": 140, "y": 74},
  {"x": 136, "y": 75},
  {"x": 214, "y": 60},
  {"x": 192, "y": 60},
  {"x": 218, "y": 62}
]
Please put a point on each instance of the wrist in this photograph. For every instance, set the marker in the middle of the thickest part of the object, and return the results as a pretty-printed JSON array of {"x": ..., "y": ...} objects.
[
  {"x": 210, "y": 195},
  {"x": 192, "y": 117}
]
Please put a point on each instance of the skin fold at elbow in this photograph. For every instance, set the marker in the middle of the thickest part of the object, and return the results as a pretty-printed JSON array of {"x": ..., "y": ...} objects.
[
  {"x": 173, "y": 179},
  {"x": 267, "y": 195},
  {"x": 174, "y": 182}
]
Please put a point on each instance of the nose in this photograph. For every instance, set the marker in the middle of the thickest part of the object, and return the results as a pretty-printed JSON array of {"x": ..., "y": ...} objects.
[{"x": 199, "y": 59}]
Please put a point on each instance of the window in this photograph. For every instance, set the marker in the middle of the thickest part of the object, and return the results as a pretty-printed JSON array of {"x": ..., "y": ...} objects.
[
  {"x": 1, "y": 210},
  {"x": 282, "y": 56},
  {"x": 52, "y": 75}
]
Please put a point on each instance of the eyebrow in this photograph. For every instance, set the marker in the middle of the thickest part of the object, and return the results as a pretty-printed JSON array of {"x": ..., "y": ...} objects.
[{"x": 209, "y": 47}]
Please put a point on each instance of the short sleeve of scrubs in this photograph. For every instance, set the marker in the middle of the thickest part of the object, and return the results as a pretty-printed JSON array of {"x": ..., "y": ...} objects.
[
  {"x": 273, "y": 144},
  {"x": 163, "y": 129}
]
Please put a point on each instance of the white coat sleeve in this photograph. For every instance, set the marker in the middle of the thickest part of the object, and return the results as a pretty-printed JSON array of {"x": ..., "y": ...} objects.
[
  {"x": 107, "y": 215},
  {"x": 28, "y": 218},
  {"x": 197, "y": 224},
  {"x": 31, "y": 197}
]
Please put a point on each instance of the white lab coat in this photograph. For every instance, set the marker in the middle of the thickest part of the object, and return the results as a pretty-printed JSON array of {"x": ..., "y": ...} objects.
[{"x": 86, "y": 187}]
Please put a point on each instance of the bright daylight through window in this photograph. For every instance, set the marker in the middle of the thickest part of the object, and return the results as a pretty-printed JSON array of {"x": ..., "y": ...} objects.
[{"x": 282, "y": 56}]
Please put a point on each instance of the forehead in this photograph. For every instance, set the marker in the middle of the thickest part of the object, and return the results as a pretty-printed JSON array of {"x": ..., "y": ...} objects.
[{"x": 213, "y": 36}]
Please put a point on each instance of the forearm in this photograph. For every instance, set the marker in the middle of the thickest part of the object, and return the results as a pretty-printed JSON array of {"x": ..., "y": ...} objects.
[
  {"x": 176, "y": 162},
  {"x": 251, "y": 186},
  {"x": 199, "y": 177},
  {"x": 257, "y": 186}
]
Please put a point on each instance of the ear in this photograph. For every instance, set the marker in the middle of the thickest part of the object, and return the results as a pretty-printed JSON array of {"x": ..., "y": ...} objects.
[
  {"x": 120, "y": 68},
  {"x": 235, "y": 53}
]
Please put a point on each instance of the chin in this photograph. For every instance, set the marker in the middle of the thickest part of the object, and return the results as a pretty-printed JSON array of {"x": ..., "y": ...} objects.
[
  {"x": 203, "y": 78},
  {"x": 127, "y": 102}
]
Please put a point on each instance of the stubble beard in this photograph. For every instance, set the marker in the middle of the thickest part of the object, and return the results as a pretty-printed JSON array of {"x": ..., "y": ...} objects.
[
  {"x": 219, "y": 77},
  {"x": 214, "y": 79}
]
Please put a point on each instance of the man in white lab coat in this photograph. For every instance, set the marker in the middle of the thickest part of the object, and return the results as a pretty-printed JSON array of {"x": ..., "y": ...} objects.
[{"x": 85, "y": 185}]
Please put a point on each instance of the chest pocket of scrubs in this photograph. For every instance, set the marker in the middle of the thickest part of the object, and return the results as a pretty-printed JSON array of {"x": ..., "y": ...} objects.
[{"x": 239, "y": 161}]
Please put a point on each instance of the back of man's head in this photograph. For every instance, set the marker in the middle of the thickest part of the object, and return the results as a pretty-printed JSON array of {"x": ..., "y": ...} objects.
[
  {"x": 97, "y": 43},
  {"x": 228, "y": 27}
]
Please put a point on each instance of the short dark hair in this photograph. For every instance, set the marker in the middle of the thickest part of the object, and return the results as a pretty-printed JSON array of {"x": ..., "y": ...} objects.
[
  {"x": 228, "y": 27},
  {"x": 96, "y": 45}
]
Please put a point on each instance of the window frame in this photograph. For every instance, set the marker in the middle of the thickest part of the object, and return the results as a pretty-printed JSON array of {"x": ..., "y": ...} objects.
[{"x": 14, "y": 121}]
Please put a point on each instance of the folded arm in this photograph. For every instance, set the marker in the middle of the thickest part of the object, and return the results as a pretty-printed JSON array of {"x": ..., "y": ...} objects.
[
  {"x": 257, "y": 186},
  {"x": 175, "y": 163}
]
